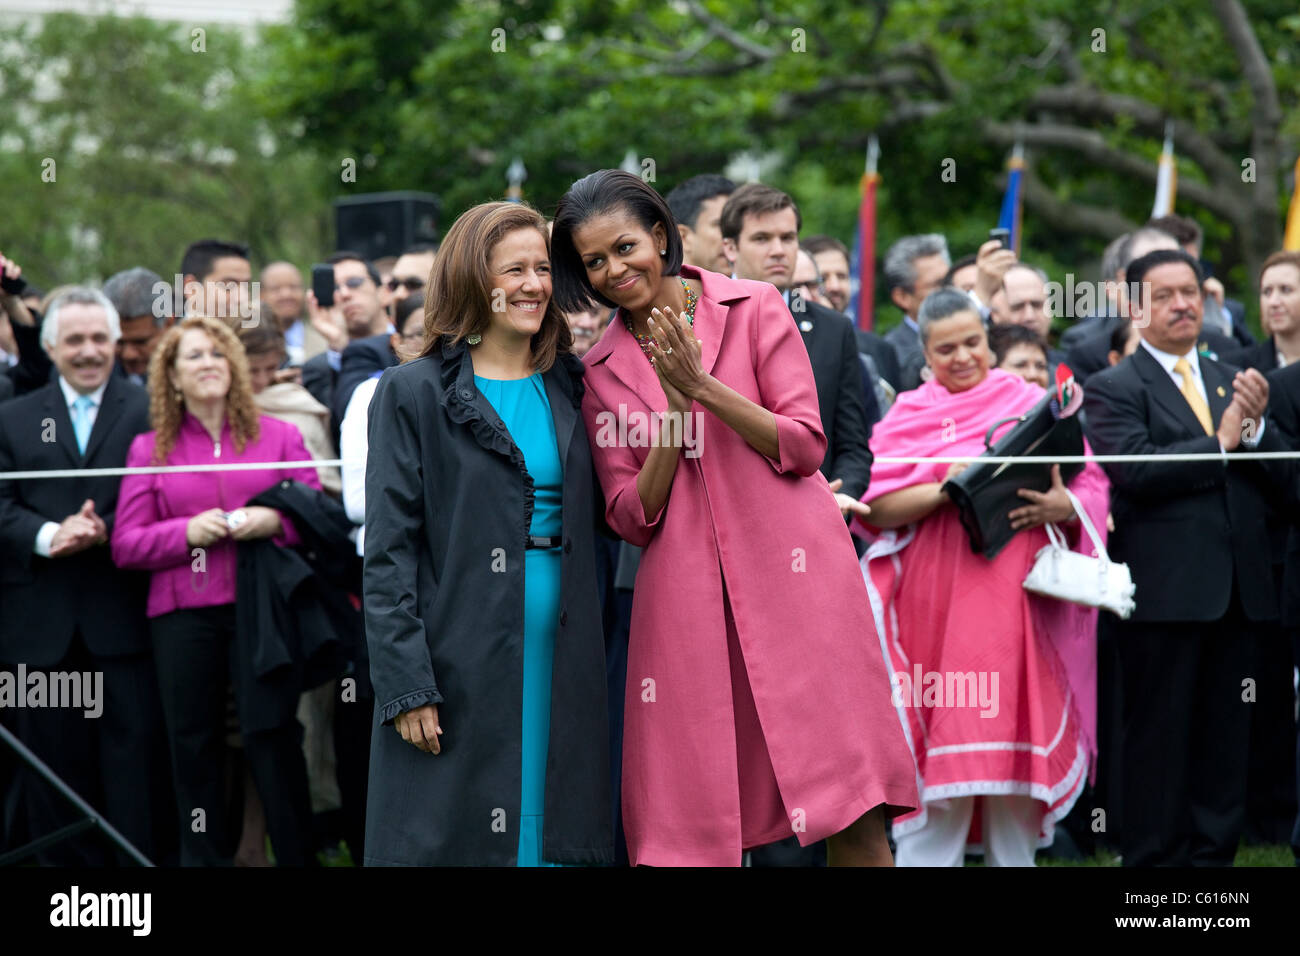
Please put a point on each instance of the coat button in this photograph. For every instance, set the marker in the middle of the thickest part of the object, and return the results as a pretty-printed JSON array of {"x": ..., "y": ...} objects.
[
  {"x": 568, "y": 545},
  {"x": 564, "y": 618},
  {"x": 465, "y": 393}
]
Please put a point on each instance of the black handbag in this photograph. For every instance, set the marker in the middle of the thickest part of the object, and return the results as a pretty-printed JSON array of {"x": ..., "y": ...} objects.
[{"x": 985, "y": 493}]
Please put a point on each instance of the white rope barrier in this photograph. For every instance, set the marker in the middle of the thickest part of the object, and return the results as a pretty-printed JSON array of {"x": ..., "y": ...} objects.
[{"x": 883, "y": 459}]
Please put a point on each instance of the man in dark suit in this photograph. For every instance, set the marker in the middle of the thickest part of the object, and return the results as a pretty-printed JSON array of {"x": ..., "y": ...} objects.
[
  {"x": 1191, "y": 533},
  {"x": 357, "y": 315},
  {"x": 1284, "y": 412},
  {"x": 68, "y": 609},
  {"x": 760, "y": 237},
  {"x": 1087, "y": 343},
  {"x": 914, "y": 267}
]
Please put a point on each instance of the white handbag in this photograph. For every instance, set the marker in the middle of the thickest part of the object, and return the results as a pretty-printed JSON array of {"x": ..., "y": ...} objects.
[{"x": 1067, "y": 575}]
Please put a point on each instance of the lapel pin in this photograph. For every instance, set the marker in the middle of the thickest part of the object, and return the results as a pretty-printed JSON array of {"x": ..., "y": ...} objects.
[
  {"x": 805, "y": 326},
  {"x": 1221, "y": 392}
]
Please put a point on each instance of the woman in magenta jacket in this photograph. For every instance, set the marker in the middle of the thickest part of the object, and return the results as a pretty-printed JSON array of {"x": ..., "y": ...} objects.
[
  {"x": 184, "y": 527},
  {"x": 757, "y": 703}
]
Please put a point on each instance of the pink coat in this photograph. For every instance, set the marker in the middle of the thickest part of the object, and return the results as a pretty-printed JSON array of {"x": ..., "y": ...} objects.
[
  {"x": 153, "y": 510},
  {"x": 771, "y": 529}
]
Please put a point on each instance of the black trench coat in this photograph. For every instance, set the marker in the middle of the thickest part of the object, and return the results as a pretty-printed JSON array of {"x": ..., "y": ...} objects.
[{"x": 448, "y": 507}]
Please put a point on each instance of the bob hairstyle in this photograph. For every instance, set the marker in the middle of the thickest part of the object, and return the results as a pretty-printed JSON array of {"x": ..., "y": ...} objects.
[
  {"x": 458, "y": 302},
  {"x": 601, "y": 192},
  {"x": 167, "y": 408}
]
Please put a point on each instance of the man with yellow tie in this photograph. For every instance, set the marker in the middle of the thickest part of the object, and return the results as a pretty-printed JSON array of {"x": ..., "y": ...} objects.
[{"x": 1194, "y": 536}]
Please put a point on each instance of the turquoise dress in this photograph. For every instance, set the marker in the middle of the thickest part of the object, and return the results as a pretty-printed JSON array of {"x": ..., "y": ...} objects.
[{"x": 526, "y": 411}]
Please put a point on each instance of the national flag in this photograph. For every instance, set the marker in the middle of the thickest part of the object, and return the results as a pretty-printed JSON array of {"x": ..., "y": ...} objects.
[
  {"x": 862, "y": 268},
  {"x": 1166, "y": 177},
  {"x": 1009, "y": 219},
  {"x": 1291, "y": 241}
]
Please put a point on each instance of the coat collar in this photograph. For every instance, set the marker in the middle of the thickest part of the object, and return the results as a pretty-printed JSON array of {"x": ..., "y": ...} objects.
[
  {"x": 465, "y": 404},
  {"x": 619, "y": 349}
]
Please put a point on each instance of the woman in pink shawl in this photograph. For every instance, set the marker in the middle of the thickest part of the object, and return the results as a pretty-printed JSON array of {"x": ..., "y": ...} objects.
[{"x": 995, "y": 687}]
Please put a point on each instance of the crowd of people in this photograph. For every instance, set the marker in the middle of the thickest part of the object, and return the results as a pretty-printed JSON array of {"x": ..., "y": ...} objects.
[{"x": 620, "y": 565}]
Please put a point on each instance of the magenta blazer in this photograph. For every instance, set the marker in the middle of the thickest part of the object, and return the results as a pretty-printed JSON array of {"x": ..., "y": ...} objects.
[{"x": 153, "y": 510}]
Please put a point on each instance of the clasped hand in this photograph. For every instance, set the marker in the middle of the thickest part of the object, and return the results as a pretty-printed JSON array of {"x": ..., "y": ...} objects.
[
  {"x": 208, "y": 527},
  {"x": 675, "y": 355},
  {"x": 79, "y": 531}
]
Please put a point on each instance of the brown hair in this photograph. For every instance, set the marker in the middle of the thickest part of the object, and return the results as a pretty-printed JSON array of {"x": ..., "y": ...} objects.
[
  {"x": 754, "y": 199},
  {"x": 458, "y": 300},
  {"x": 1284, "y": 257},
  {"x": 166, "y": 410},
  {"x": 262, "y": 338}
]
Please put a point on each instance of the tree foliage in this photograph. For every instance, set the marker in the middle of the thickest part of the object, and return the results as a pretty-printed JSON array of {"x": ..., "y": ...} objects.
[{"x": 129, "y": 138}]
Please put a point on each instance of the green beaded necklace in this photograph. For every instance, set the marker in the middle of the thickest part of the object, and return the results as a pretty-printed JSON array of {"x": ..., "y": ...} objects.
[{"x": 645, "y": 340}]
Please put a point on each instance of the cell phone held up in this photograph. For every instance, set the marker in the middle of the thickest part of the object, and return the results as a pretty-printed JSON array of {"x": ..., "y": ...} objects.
[
  {"x": 322, "y": 284},
  {"x": 1003, "y": 236},
  {"x": 12, "y": 285}
]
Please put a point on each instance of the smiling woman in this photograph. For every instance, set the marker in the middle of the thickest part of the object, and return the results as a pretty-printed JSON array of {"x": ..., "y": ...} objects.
[
  {"x": 751, "y": 687},
  {"x": 183, "y": 529},
  {"x": 482, "y": 618}
]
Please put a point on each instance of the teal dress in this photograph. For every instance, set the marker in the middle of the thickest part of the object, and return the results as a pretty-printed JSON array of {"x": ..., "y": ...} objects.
[{"x": 526, "y": 411}]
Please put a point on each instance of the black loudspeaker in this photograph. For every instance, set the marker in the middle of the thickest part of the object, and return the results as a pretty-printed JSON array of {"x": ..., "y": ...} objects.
[{"x": 385, "y": 224}]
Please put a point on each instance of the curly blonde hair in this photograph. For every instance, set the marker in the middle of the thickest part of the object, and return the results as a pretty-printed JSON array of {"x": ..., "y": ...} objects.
[{"x": 166, "y": 410}]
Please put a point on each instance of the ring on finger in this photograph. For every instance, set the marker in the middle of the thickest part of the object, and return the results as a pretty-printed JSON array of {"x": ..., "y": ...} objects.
[{"x": 668, "y": 351}]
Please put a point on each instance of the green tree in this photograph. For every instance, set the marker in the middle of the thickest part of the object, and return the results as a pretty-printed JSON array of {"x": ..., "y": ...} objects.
[
  {"x": 444, "y": 102},
  {"x": 133, "y": 138}
]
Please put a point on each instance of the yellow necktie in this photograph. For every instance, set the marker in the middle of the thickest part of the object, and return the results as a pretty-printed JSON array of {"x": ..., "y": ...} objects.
[{"x": 1201, "y": 410}]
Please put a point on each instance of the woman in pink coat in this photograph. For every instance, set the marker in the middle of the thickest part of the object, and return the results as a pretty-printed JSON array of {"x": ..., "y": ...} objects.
[
  {"x": 757, "y": 703},
  {"x": 183, "y": 527}
]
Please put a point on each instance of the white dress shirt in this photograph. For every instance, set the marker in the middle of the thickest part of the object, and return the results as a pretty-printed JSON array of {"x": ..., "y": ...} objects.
[
  {"x": 45, "y": 536},
  {"x": 354, "y": 445}
]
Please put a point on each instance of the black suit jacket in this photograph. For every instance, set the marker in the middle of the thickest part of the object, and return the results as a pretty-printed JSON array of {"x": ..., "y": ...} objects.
[
  {"x": 833, "y": 351},
  {"x": 362, "y": 358},
  {"x": 882, "y": 353},
  {"x": 1258, "y": 355},
  {"x": 1186, "y": 529},
  {"x": 318, "y": 377},
  {"x": 47, "y": 600},
  {"x": 1284, "y": 415},
  {"x": 911, "y": 357}
]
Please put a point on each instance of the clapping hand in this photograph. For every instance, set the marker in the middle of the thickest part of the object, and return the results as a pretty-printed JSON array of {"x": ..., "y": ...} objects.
[
  {"x": 79, "y": 531},
  {"x": 1249, "y": 400},
  {"x": 675, "y": 352}
]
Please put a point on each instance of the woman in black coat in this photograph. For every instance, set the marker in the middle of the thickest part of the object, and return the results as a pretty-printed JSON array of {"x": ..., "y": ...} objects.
[{"x": 476, "y": 760}]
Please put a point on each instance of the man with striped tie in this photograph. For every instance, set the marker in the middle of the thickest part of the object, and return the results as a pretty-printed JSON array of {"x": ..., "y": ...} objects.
[
  {"x": 1194, "y": 534},
  {"x": 66, "y": 608}
]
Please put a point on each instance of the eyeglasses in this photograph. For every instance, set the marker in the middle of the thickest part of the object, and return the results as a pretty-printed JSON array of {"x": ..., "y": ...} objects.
[
  {"x": 356, "y": 282},
  {"x": 410, "y": 283}
]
